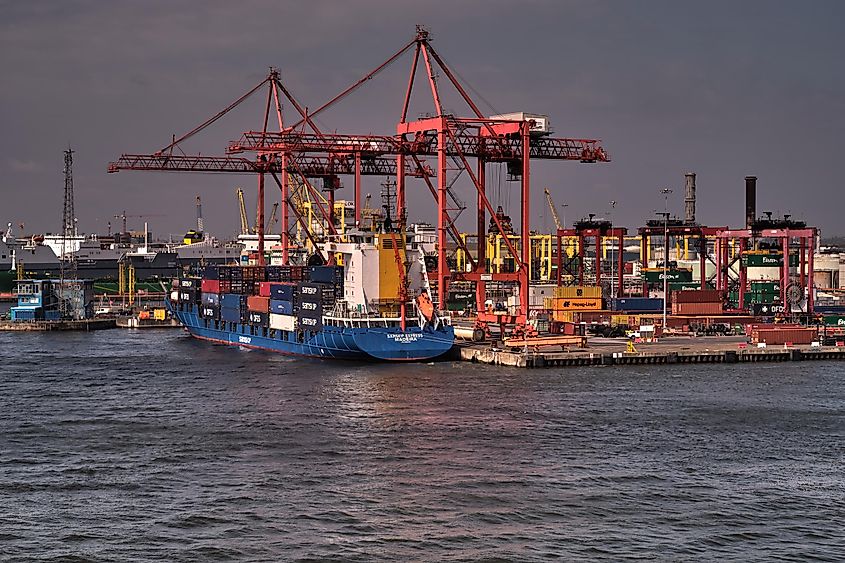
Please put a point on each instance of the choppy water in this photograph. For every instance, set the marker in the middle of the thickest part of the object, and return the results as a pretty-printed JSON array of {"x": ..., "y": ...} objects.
[{"x": 120, "y": 446}]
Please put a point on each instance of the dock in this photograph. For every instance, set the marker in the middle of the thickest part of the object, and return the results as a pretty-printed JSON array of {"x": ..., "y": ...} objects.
[
  {"x": 47, "y": 326},
  {"x": 604, "y": 352}
]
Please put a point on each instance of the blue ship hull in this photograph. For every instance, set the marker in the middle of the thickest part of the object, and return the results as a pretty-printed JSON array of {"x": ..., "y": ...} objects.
[{"x": 343, "y": 343}]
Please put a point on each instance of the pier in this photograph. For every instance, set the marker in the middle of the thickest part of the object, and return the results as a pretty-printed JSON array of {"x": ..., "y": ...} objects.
[
  {"x": 46, "y": 326},
  {"x": 605, "y": 352}
]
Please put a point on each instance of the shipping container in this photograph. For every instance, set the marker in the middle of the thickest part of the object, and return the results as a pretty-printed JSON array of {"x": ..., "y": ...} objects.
[
  {"x": 174, "y": 296},
  {"x": 283, "y": 291},
  {"x": 282, "y": 322},
  {"x": 281, "y": 307},
  {"x": 570, "y": 291},
  {"x": 210, "y": 286},
  {"x": 211, "y": 272},
  {"x": 780, "y": 336},
  {"x": 210, "y": 299},
  {"x": 834, "y": 320},
  {"x": 765, "y": 309},
  {"x": 636, "y": 304},
  {"x": 655, "y": 275},
  {"x": 765, "y": 286},
  {"x": 232, "y": 301},
  {"x": 187, "y": 295},
  {"x": 210, "y": 311},
  {"x": 52, "y": 315},
  {"x": 263, "y": 289},
  {"x": 326, "y": 274},
  {"x": 769, "y": 259},
  {"x": 310, "y": 323},
  {"x": 258, "y": 318},
  {"x": 684, "y": 286},
  {"x": 258, "y": 304},
  {"x": 576, "y": 303},
  {"x": 231, "y": 315},
  {"x": 697, "y": 308},
  {"x": 27, "y": 313},
  {"x": 699, "y": 296}
]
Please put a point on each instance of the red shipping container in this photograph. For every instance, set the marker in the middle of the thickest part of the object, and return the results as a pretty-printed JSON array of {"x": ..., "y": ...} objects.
[
  {"x": 211, "y": 286},
  {"x": 779, "y": 336},
  {"x": 258, "y": 304},
  {"x": 696, "y": 308},
  {"x": 697, "y": 296},
  {"x": 264, "y": 289}
]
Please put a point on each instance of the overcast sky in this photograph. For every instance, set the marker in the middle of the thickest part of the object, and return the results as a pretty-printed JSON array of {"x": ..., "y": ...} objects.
[{"x": 724, "y": 89}]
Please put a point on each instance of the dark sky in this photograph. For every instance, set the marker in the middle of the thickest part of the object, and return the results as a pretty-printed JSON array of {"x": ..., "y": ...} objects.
[{"x": 723, "y": 89}]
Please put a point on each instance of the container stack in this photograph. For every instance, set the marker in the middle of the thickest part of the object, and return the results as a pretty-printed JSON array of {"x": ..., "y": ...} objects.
[
  {"x": 701, "y": 302},
  {"x": 272, "y": 297},
  {"x": 572, "y": 298}
]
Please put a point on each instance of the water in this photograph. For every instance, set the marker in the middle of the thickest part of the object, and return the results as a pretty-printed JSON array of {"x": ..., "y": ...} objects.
[{"x": 122, "y": 446}]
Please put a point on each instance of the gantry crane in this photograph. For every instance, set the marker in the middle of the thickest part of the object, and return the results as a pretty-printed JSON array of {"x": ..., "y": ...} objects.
[{"x": 449, "y": 140}]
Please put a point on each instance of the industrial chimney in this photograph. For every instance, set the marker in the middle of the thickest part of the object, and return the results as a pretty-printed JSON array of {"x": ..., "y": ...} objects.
[
  {"x": 689, "y": 198},
  {"x": 750, "y": 200}
]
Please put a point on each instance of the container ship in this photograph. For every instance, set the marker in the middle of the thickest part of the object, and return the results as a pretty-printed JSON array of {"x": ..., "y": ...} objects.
[{"x": 374, "y": 304}]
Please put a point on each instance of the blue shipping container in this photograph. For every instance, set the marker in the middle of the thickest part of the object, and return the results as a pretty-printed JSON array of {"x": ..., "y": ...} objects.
[
  {"x": 281, "y": 307},
  {"x": 636, "y": 304},
  {"x": 326, "y": 274},
  {"x": 52, "y": 315},
  {"x": 26, "y": 313},
  {"x": 210, "y": 299},
  {"x": 232, "y": 301},
  {"x": 282, "y": 291},
  {"x": 211, "y": 273},
  {"x": 230, "y": 315}
]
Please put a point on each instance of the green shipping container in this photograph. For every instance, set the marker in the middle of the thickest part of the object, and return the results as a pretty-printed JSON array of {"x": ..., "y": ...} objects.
[
  {"x": 656, "y": 276},
  {"x": 834, "y": 320},
  {"x": 765, "y": 286},
  {"x": 773, "y": 260},
  {"x": 684, "y": 286}
]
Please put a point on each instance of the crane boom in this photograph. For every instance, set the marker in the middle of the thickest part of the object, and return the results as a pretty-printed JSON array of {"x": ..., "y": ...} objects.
[
  {"x": 269, "y": 228},
  {"x": 242, "y": 209},
  {"x": 552, "y": 209}
]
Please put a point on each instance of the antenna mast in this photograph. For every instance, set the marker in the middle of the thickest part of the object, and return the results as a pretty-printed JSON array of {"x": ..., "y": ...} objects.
[
  {"x": 67, "y": 261},
  {"x": 68, "y": 258}
]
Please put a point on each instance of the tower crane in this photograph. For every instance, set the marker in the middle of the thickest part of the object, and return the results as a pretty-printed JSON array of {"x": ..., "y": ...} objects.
[
  {"x": 242, "y": 208},
  {"x": 123, "y": 217},
  {"x": 552, "y": 209}
]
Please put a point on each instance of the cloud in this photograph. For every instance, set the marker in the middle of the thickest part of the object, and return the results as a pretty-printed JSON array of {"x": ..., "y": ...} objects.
[{"x": 19, "y": 165}]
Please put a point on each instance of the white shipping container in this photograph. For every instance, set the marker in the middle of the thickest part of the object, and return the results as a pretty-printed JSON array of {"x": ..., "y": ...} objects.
[
  {"x": 174, "y": 296},
  {"x": 282, "y": 322}
]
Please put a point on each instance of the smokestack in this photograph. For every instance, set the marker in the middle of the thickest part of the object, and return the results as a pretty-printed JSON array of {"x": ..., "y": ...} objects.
[
  {"x": 689, "y": 198},
  {"x": 750, "y": 200}
]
